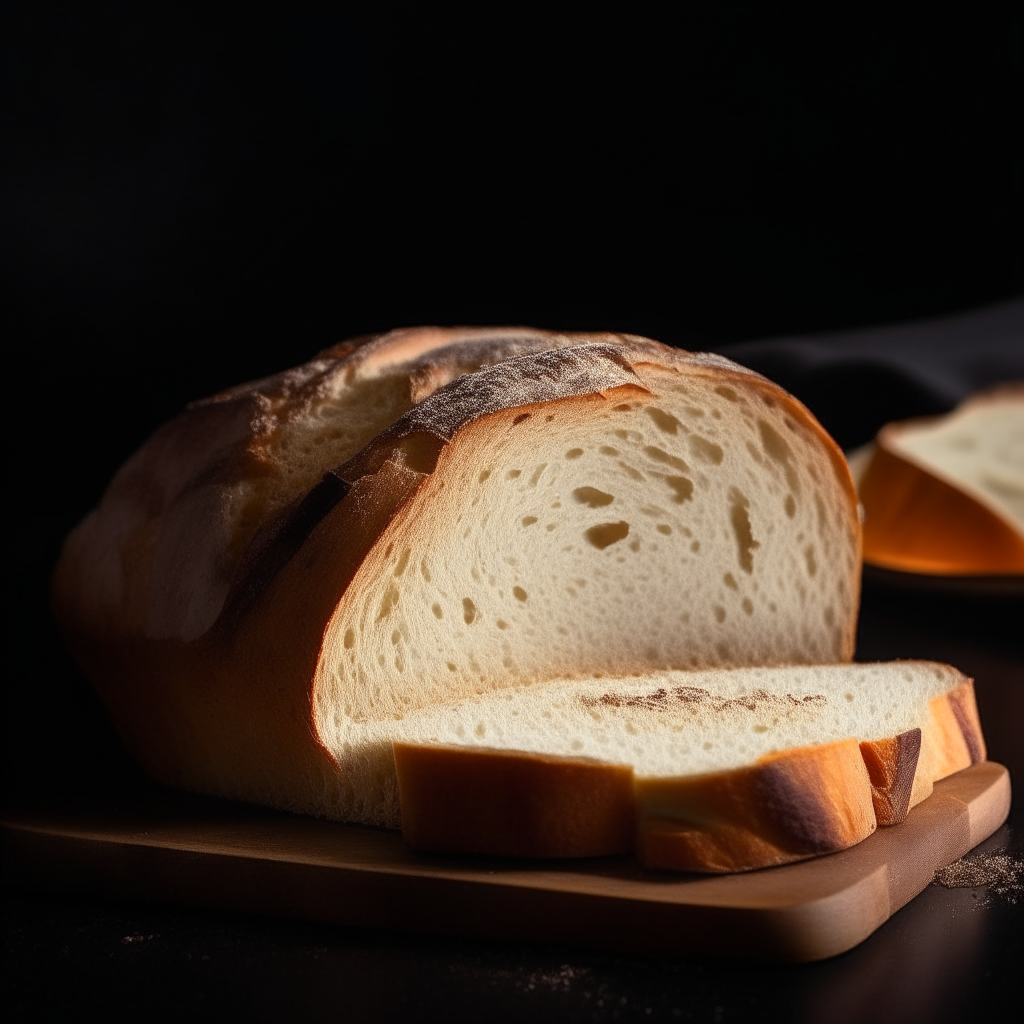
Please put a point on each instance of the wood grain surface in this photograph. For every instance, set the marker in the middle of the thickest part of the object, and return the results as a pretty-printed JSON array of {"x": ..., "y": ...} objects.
[{"x": 175, "y": 847}]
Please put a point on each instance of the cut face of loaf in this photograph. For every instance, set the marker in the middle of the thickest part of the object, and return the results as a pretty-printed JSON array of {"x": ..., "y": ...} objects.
[
  {"x": 674, "y": 524},
  {"x": 946, "y": 495},
  {"x": 703, "y": 771},
  {"x": 260, "y": 619}
]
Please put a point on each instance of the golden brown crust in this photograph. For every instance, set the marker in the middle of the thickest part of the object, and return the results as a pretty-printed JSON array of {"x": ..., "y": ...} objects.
[
  {"x": 965, "y": 709},
  {"x": 794, "y": 805},
  {"x": 951, "y": 741},
  {"x": 478, "y": 800},
  {"x": 791, "y": 806},
  {"x": 892, "y": 766},
  {"x": 916, "y": 522}
]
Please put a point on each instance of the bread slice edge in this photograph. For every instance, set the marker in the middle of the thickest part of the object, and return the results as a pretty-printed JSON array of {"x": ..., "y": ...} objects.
[{"x": 788, "y": 806}]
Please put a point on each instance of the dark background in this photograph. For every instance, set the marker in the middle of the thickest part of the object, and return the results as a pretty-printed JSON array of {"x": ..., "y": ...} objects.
[{"x": 194, "y": 195}]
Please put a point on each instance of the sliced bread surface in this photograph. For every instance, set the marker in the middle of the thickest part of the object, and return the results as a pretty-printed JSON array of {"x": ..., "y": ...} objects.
[{"x": 730, "y": 769}]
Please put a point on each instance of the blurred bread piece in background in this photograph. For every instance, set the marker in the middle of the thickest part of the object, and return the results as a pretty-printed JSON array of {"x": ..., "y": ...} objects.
[{"x": 945, "y": 495}]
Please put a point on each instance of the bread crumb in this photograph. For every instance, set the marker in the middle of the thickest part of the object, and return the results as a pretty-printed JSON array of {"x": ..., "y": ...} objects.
[{"x": 1001, "y": 875}]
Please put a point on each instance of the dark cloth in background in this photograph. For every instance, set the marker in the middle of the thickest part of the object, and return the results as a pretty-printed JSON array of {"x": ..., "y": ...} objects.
[{"x": 856, "y": 381}]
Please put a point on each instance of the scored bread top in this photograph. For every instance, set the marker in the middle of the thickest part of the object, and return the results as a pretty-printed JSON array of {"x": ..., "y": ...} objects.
[{"x": 159, "y": 554}]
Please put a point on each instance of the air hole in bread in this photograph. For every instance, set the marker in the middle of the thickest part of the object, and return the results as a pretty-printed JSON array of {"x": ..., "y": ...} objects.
[
  {"x": 658, "y": 455},
  {"x": 606, "y": 534},
  {"x": 519, "y": 593},
  {"x": 664, "y": 420},
  {"x": 592, "y": 497},
  {"x": 812, "y": 565},
  {"x": 468, "y": 611},
  {"x": 529, "y": 520},
  {"x": 705, "y": 450},
  {"x": 682, "y": 488},
  {"x": 574, "y": 453},
  {"x": 388, "y": 603},
  {"x": 740, "y": 519}
]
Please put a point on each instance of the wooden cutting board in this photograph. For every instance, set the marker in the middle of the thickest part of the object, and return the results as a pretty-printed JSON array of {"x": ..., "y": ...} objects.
[{"x": 185, "y": 849}]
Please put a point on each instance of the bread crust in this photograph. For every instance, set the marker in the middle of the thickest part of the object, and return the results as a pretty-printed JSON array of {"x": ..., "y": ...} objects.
[
  {"x": 797, "y": 804},
  {"x": 790, "y": 806},
  {"x": 951, "y": 740},
  {"x": 504, "y": 802},
  {"x": 892, "y": 767},
  {"x": 232, "y": 710}
]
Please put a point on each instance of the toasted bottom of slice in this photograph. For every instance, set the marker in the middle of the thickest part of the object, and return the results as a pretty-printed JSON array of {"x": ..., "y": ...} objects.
[{"x": 751, "y": 807}]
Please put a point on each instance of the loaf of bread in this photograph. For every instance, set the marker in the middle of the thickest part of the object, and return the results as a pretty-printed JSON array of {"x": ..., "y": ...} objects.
[
  {"x": 696, "y": 771},
  {"x": 945, "y": 496},
  {"x": 286, "y": 572}
]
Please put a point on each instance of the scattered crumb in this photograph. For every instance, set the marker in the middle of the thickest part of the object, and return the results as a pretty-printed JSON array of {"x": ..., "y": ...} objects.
[{"x": 1001, "y": 874}]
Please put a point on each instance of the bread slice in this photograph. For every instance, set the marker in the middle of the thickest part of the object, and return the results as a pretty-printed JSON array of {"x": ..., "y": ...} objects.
[
  {"x": 508, "y": 508},
  {"x": 698, "y": 771},
  {"x": 945, "y": 496}
]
